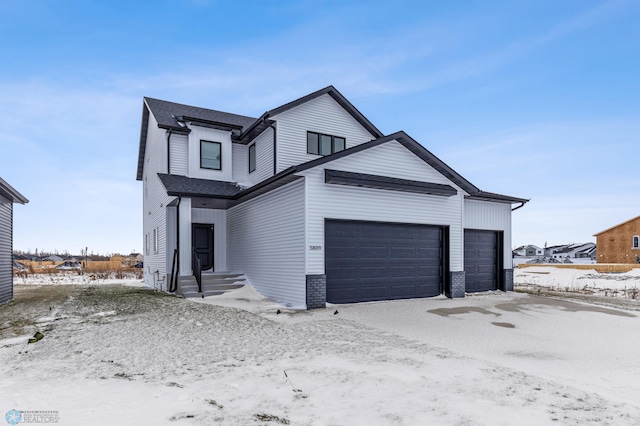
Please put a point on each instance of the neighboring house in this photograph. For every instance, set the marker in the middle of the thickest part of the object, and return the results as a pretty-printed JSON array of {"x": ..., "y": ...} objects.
[
  {"x": 8, "y": 196},
  {"x": 572, "y": 251},
  {"x": 529, "y": 251},
  {"x": 313, "y": 204},
  {"x": 53, "y": 258},
  {"x": 619, "y": 244}
]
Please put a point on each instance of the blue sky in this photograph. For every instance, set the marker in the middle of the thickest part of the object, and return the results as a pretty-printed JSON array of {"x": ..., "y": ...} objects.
[{"x": 536, "y": 99}]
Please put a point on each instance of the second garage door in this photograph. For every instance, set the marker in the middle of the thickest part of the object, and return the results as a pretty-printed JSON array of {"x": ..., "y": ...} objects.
[
  {"x": 367, "y": 261},
  {"x": 481, "y": 260}
]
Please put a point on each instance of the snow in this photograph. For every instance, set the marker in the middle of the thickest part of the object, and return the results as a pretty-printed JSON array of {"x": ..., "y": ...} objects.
[
  {"x": 122, "y": 355},
  {"x": 585, "y": 280}
]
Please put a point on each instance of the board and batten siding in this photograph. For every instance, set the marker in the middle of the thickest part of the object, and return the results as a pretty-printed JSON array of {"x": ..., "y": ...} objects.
[
  {"x": 179, "y": 152},
  {"x": 323, "y": 115},
  {"x": 327, "y": 201},
  {"x": 266, "y": 240},
  {"x": 6, "y": 249},
  {"x": 155, "y": 200},
  {"x": 486, "y": 215}
]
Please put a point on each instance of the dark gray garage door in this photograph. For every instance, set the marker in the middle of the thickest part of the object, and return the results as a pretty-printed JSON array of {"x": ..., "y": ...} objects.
[
  {"x": 481, "y": 260},
  {"x": 367, "y": 261}
]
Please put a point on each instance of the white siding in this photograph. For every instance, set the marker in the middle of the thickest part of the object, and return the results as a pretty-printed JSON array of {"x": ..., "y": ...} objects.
[
  {"x": 264, "y": 158},
  {"x": 213, "y": 135},
  {"x": 323, "y": 115},
  {"x": 240, "y": 163},
  {"x": 217, "y": 218},
  {"x": 266, "y": 241},
  {"x": 6, "y": 248},
  {"x": 493, "y": 217},
  {"x": 155, "y": 200},
  {"x": 326, "y": 201},
  {"x": 179, "y": 151}
]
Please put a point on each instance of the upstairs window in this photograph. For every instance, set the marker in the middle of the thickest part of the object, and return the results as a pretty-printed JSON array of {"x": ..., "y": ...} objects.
[
  {"x": 210, "y": 155},
  {"x": 252, "y": 158},
  {"x": 321, "y": 144},
  {"x": 636, "y": 242}
]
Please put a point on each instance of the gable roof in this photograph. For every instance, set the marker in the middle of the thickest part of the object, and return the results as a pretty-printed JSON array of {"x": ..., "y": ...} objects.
[
  {"x": 7, "y": 191},
  {"x": 262, "y": 123},
  {"x": 613, "y": 227},
  {"x": 182, "y": 185}
]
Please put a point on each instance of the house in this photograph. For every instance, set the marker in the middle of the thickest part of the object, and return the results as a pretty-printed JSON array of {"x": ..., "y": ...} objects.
[
  {"x": 313, "y": 204},
  {"x": 572, "y": 251},
  {"x": 529, "y": 251},
  {"x": 620, "y": 243},
  {"x": 8, "y": 196}
]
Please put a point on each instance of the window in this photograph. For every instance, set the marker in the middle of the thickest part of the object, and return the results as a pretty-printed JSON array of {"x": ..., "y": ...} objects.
[
  {"x": 155, "y": 240},
  {"x": 210, "y": 155},
  {"x": 321, "y": 144},
  {"x": 146, "y": 243},
  {"x": 636, "y": 242},
  {"x": 252, "y": 158}
]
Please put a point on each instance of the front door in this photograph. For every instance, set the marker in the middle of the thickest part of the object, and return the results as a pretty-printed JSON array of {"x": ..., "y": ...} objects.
[{"x": 202, "y": 243}]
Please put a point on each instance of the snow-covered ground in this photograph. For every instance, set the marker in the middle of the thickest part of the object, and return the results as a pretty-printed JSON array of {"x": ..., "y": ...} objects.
[
  {"x": 73, "y": 277},
  {"x": 124, "y": 355},
  {"x": 580, "y": 280}
]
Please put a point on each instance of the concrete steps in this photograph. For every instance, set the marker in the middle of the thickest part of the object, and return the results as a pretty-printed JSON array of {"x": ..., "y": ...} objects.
[{"x": 213, "y": 284}]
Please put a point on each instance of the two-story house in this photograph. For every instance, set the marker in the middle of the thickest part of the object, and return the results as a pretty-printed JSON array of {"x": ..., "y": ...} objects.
[{"x": 313, "y": 204}]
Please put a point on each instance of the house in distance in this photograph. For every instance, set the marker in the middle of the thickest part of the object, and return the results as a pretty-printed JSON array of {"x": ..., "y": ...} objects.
[{"x": 620, "y": 243}]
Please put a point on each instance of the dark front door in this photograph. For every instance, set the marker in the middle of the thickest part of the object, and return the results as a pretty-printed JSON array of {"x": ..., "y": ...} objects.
[
  {"x": 202, "y": 243},
  {"x": 368, "y": 261}
]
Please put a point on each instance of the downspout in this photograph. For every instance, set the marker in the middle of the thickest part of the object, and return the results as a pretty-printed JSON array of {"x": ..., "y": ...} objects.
[
  {"x": 169, "y": 152},
  {"x": 275, "y": 147},
  {"x": 177, "y": 277}
]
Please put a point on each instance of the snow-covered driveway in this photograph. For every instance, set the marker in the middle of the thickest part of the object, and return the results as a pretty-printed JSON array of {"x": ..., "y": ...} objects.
[
  {"x": 592, "y": 347},
  {"x": 129, "y": 356}
]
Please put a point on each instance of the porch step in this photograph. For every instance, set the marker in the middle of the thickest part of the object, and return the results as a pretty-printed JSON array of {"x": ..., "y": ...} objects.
[{"x": 213, "y": 284}]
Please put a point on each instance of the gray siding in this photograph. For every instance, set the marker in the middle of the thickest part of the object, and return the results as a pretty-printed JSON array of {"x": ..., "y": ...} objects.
[
  {"x": 179, "y": 147},
  {"x": 326, "y": 201},
  {"x": 492, "y": 217},
  {"x": 323, "y": 115},
  {"x": 266, "y": 241},
  {"x": 6, "y": 246}
]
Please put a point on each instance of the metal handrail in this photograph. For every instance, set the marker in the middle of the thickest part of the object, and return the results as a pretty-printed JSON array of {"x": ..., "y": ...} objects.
[
  {"x": 173, "y": 283},
  {"x": 196, "y": 267}
]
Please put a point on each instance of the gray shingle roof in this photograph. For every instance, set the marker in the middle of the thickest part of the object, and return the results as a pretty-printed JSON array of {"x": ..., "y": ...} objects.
[
  {"x": 183, "y": 185},
  {"x": 166, "y": 112}
]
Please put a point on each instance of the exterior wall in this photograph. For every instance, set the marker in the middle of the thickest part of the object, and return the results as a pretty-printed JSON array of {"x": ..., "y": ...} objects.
[
  {"x": 323, "y": 115},
  {"x": 240, "y": 163},
  {"x": 217, "y": 218},
  {"x": 179, "y": 152},
  {"x": 155, "y": 200},
  {"x": 6, "y": 249},
  {"x": 266, "y": 241},
  {"x": 213, "y": 135},
  {"x": 615, "y": 245},
  {"x": 326, "y": 201},
  {"x": 490, "y": 216},
  {"x": 264, "y": 158}
]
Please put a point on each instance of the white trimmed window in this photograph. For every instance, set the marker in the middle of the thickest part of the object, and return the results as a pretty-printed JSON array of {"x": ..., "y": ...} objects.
[
  {"x": 636, "y": 242},
  {"x": 210, "y": 155},
  {"x": 146, "y": 243},
  {"x": 155, "y": 240}
]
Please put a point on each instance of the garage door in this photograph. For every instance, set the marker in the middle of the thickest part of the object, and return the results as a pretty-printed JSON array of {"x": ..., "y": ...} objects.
[
  {"x": 481, "y": 260},
  {"x": 366, "y": 261}
]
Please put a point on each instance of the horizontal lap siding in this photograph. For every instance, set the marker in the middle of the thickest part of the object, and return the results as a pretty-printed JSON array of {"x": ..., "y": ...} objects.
[
  {"x": 322, "y": 115},
  {"x": 264, "y": 158},
  {"x": 179, "y": 151},
  {"x": 6, "y": 244},
  {"x": 266, "y": 242},
  {"x": 240, "y": 163},
  {"x": 485, "y": 215},
  {"x": 327, "y": 201},
  {"x": 154, "y": 204}
]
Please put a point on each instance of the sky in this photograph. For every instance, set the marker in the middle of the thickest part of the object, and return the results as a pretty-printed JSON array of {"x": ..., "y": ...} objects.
[{"x": 534, "y": 99}]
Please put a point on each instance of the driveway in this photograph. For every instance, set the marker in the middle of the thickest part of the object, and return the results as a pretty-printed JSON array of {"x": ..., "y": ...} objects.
[{"x": 591, "y": 347}]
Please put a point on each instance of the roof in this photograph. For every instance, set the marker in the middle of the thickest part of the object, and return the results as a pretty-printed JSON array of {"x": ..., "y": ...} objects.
[
  {"x": 10, "y": 193},
  {"x": 185, "y": 186},
  {"x": 261, "y": 123},
  {"x": 613, "y": 227}
]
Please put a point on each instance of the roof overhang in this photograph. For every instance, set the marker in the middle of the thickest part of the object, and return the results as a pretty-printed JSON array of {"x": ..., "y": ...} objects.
[
  {"x": 9, "y": 192},
  {"x": 362, "y": 180}
]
